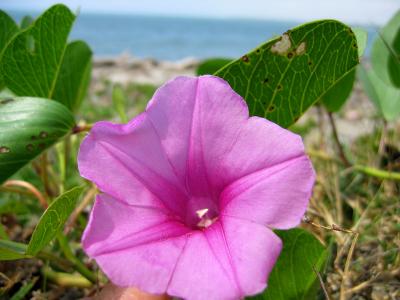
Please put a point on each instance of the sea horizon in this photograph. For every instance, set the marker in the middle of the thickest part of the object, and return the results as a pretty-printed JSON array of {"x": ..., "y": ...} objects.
[{"x": 174, "y": 38}]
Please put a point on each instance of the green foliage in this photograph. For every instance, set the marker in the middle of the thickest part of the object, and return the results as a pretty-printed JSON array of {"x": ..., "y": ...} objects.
[
  {"x": 11, "y": 250},
  {"x": 53, "y": 220},
  {"x": 385, "y": 54},
  {"x": 362, "y": 38},
  {"x": 294, "y": 275},
  {"x": 386, "y": 97},
  {"x": 8, "y": 29},
  {"x": 31, "y": 62},
  {"x": 212, "y": 65},
  {"x": 38, "y": 62},
  {"x": 26, "y": 22},
  {"x": 28, "y": 127},
  {"x": 285, "y": 76},
  {"x": 119, "y": 102},
  {"x": 336, "y": 96},
  {"x": 73, "y": 81},
  {"x": 382, "y": 81}
]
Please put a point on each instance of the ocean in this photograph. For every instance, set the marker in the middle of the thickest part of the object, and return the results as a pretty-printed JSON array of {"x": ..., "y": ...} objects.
[{"x": 169, "y": 38}]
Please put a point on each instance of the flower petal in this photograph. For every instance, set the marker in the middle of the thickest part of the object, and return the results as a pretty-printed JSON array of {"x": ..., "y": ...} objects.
[
  {"x": 229, "y": 260},
  {"x": 129, "y": 163},
  {"x": 276, "y": 196},
  {"x": 261, "y": 144},
  {"x": 134, "y": 246},
  {"x": 197, "y": 119},
  {"x": 209, "y": 138}
]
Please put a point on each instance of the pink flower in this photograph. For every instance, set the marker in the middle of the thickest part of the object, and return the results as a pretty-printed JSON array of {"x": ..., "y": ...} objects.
[{"x": 191, "y": 190}]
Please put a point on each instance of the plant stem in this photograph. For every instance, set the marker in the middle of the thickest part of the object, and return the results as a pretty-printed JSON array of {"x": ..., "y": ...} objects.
[
  {"x": 377, "y": 172},
  {"x": 321, "y": 125},
  {"x": 374, "y": 172},
  {"x": 383, "y": 141},
  {"x": 58, "y": 261},
  {"x": 77, "y": 264},
  {"x": 81, "y": 128},
  {"x": 66, "y": 279},
  {"x": 342, "y": 155},
  {"x": 45, "y": 178},
  {"x": 32, "y": 190}
]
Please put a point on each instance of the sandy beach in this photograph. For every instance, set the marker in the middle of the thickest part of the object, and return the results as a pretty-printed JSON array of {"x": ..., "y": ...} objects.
[{"x": 125, "y": 69}]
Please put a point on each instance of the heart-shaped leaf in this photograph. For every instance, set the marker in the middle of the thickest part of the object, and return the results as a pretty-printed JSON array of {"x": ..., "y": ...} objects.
[
  {"x": 31, "y": 62},
  {"x": 53, "y": 220},
  {"x": 74, "y": 78},
  {"x": 294, "y": 276},
  {"x": 282, "y": 78},
  {"x": 385, "y": 54},
  {"x": 8, "y": 29},
  {"x": 29, "y": 126}
]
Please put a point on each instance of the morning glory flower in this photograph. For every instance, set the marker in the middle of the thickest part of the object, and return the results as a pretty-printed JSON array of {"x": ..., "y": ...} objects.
[{"x": 191, "y": 190}]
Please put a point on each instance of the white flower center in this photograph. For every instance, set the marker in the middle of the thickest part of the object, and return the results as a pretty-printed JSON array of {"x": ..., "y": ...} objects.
[{"x": 205, "y": 220}]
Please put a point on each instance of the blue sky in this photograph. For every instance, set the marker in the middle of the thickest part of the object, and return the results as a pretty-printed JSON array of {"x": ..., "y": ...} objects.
[{"x": 372, "y": 12}]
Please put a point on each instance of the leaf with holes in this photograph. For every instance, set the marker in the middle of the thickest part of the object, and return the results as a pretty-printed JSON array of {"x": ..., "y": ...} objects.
[
  {"x": 385, "y": 53},
  {"x": 74, "y": 78},
  {"x": 282, "y": 78},
  {"x": 53, "y": 220},
  {"x": 28, "y": 127},
  {"x": 294, "y": 276},
  {"x": 8, "y": 29},
  {"x": 31, "y": 62},
  {"x": 212, "y": 65}
]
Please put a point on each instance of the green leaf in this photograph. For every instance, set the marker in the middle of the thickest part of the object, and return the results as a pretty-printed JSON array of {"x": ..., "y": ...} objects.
[
  {"x": 26, "y": 22},
  {"x": 75, "y": 73},
  {"x": 8, "y": 29},
  {"x": 385, "y": 96},
  {"x": 11, "y": 250},
  {"x": 53, "y": 220},
  {"x": 31, "y": 63},
  {"x": 385, "y": 54},
  {"x": 362, "y": 38},
  {"x": 119, "y": 102},
  {"x": 282, "y": 78},
  {"x": 212, "y": 65},
  {"x": 294, "y": 277},
  {"x": 336, "y": 96},
  {"x": 28, "y": 127}
]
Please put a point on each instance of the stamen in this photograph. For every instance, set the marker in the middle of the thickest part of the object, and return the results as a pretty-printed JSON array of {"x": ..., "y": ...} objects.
[
  {"x": 205, "y": 221},
  {"x": 202, "y": 212}
]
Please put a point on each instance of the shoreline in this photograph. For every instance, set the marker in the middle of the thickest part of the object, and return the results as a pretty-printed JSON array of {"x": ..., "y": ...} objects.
[{"x": 125, "y": 69}]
